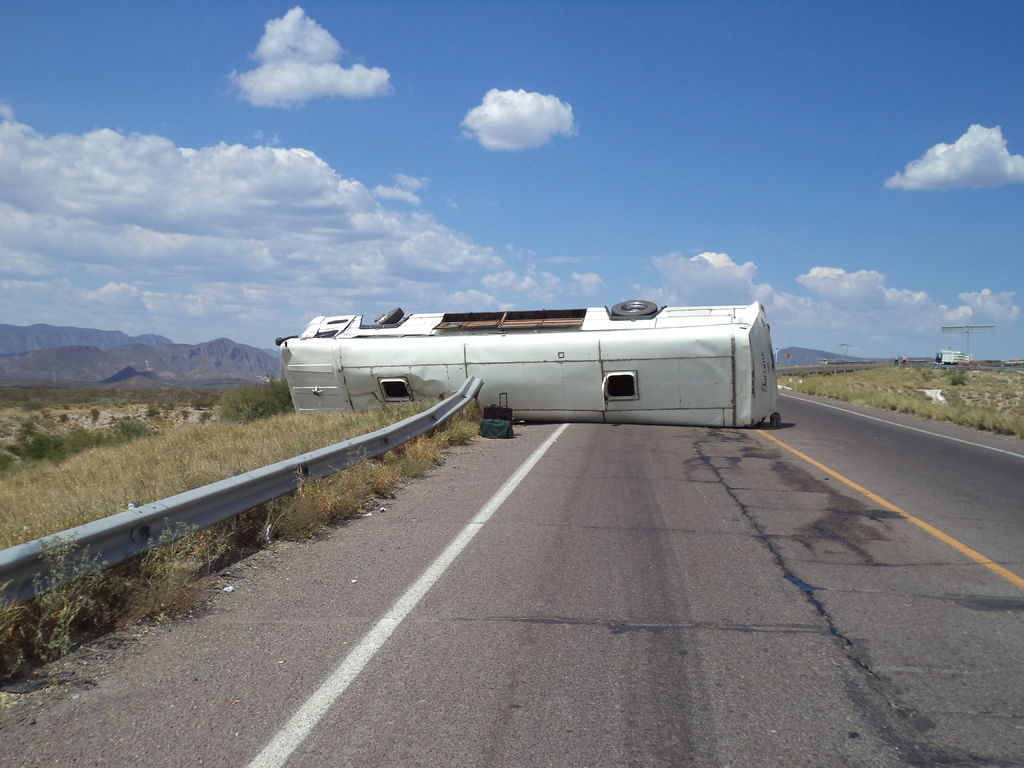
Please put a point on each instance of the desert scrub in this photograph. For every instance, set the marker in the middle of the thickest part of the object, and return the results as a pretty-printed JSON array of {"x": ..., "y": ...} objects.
[
  {"x": 34, "y": 442},
  {"x": 958, "y": 378},
  {"x": 70, "y": 421},
  {"x": 42, "y": 499},
  {"x": 256, "y": 401},
  {"x": 989, "y": 400},
  {"x": 37, "y": 398}
]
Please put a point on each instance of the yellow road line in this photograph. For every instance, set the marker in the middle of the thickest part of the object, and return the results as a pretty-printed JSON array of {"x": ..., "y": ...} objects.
[{"x": 960, "y": 547}]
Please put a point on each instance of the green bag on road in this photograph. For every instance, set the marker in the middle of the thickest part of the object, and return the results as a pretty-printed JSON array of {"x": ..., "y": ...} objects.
[{"x": 495, "y": 428}]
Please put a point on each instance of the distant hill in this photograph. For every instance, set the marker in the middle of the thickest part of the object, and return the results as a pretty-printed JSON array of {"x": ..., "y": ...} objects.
[
  {"x": 19, "y": 339},
  {"x": 217, "y": 362},
  {"x": 127, "y": 374}
]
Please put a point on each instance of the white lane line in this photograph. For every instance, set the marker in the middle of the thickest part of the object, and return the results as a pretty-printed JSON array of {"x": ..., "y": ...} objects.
[
  {"x": 904, "y": 426},
  {"x": 295, "y": 731}
]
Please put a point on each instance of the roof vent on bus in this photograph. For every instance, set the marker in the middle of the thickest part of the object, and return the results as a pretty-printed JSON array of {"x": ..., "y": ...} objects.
[
  {"x": 391, "y": 317},
  {"x": 634, "y": 308}
]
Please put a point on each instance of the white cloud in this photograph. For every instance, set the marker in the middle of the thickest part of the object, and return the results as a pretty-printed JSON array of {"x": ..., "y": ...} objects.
[
  {"x": 511, "y": 120},
  {"x": 857, "y": 300},
  {"x": 844, "y": 287},
  {"x": 227, "y": 240},
  {"x": 472, "y": 301},
  {"x": 114, "y": 294},
  {"x": 991, "y": 306},
  {"x": 298, "y": 61},
  {"x": 856, "y": 307},
  {"x": 705, "y": 279},
  {"x": 411, "y": 182},
  {"x": 403, "y": 189},
  {"x": 862, "y": 301},
  {"x": 979, "y": 158},
  {"x": 14, "y": 262},
  {"x": 272, "y": 140},
  {"x": 396, "y": 193},
  {"x": 586, "y": 283},
  {"x": 534, "y": 286}
]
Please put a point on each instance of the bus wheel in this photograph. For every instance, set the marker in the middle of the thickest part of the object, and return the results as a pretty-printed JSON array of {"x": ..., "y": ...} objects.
[{"x": 774, "y": 420}]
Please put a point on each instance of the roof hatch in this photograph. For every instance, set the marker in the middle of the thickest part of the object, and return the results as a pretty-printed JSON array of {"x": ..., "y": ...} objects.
[{"x": 529, "y": 320}]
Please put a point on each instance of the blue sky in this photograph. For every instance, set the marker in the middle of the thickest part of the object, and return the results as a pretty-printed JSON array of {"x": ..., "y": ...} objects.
[{"x": 207, "y": 169}]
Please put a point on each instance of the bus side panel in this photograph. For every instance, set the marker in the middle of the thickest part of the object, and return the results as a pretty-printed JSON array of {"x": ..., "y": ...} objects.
[
  {"x": 432, "y": 367},
  {"x": 682, "y": 372},
  {"x": 311, "y": 369},
  {"x": 557, "y": 372},
  {"x": 564, "y": 347},
  {"x": 426, "y": 382},
  {"x": 549, "y": 386},
  {"x": 679, "y": 344},
  {"x": 407, "y": 351},
  {"x": 694, "y": 383}
]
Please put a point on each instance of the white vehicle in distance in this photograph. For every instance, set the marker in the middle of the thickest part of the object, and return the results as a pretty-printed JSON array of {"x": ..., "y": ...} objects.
[{"x": 951, "y": 357}]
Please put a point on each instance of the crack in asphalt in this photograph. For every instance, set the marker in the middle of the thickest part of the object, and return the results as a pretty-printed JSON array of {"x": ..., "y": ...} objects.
[
  {"x": 913, "y": 752},
  {"x": 768, "y": 542}
]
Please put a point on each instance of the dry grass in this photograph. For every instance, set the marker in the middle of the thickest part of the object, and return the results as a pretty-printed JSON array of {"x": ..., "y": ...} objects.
[
  {"x": 42, "y": 498},
  {"x": 101, "y": 420},
  {"x": 989, "y": 400}
]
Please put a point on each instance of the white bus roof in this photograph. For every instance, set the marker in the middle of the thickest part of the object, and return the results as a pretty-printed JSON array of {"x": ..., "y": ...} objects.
[{"x": 512, "y": 321}]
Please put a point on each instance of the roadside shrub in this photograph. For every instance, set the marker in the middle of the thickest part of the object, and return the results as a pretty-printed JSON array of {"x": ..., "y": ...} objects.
[
  {"x": 953, "y": 399},
  {"x": 32, "y": 443},
  {"x": 203, "y": 400},
  {"x": 80, "y": 439},
  {"x": 958, "y": 378},
  {"x": 130, "y": 429},
  {"x": 256, "y": 401}
]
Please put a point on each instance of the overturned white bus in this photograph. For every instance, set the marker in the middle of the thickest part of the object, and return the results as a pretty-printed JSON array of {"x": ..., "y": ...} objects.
[{"x": 635, "y": 363}]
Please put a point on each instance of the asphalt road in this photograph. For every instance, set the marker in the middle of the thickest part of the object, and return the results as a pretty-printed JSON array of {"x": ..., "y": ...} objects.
[
  {"x": 650, "y": 596},
  {"x": 968, "y": 483}
]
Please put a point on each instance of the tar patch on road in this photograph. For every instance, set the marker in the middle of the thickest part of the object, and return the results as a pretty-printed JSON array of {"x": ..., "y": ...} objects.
[
  {"x": 838, "y": 530},
  {"x": 1012, "y": 604}
]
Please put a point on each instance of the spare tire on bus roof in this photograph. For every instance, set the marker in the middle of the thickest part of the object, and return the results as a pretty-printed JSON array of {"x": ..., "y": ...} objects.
[{"x": 634, "y": 308}]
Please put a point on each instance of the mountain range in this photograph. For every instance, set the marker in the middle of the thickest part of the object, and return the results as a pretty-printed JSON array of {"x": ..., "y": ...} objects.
[
  {"x": 19, "y": 339},
  {"x": 42, "y": 354}
]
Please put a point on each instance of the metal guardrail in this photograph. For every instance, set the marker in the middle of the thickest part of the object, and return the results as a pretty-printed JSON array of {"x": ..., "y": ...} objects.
[
  {"x": 25, "y": 569},
  {"x": 831, "y": 367}
]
